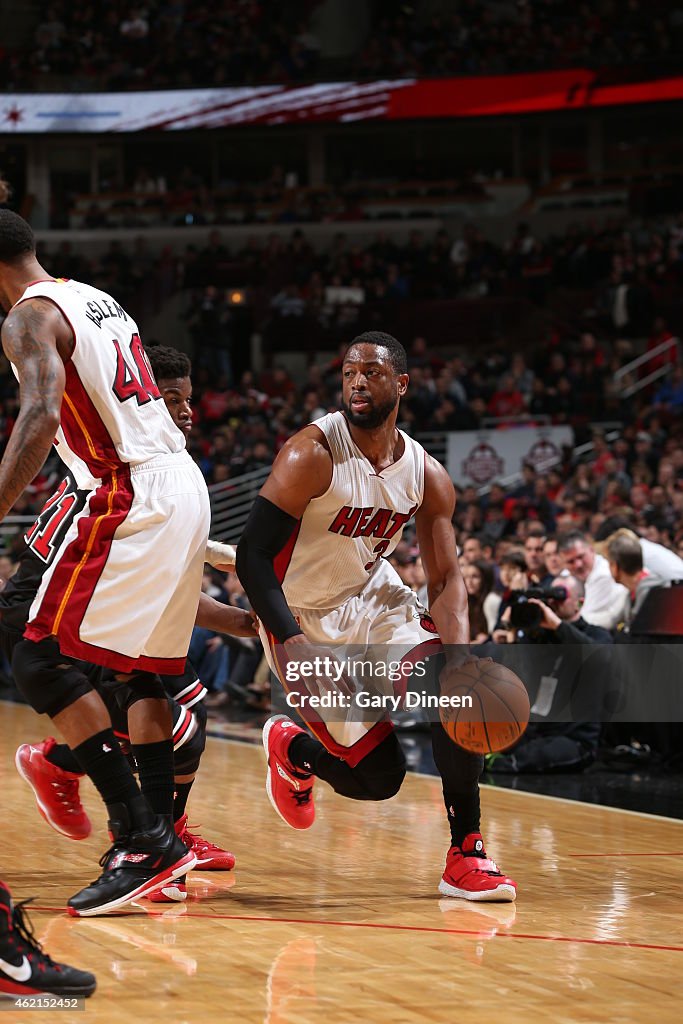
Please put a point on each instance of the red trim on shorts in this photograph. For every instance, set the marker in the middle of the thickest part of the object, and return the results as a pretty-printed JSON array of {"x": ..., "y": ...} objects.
[
  {"x": 164, "y": 666},
  {"x": 354, "y": 754},
  {"x": 77, "y": 571},
  {"x": 83, "y": 428},
  {"x": 361, "y": 748}
]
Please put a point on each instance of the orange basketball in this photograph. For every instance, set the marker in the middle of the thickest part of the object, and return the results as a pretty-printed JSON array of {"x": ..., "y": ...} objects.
[{"x": 500, "y": 707}]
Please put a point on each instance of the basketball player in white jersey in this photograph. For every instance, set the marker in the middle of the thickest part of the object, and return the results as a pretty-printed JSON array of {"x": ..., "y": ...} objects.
[
  {"x": 312, "y": 561},
  {"x": 123, "y": 588}
]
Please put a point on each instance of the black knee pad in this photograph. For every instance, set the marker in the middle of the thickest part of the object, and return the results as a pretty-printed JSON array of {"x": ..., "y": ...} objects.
[
  {"x": 382, "y": 772},
  {"x": 141, "y": 686},
  {"x": 186, "y": 758},
  {"x": 200, "y": 714},
  {"x": 49, "y": 681}
]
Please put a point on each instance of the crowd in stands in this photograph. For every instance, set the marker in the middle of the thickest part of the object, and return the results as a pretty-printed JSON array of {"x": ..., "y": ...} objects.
[
  {"x": 245, "y": 42},
  {"x": 622, "y": 265},
  {"x": 240, "y": 424},
  {"x": 80, "y": 45},
  {"x": 527, "y": 35}
]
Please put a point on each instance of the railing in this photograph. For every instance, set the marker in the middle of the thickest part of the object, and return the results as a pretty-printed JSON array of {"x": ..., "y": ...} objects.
[
  {"x": 647, "y": 357},
  {"x": 231, "y": 503},
  {"x": 12, "y": 525}
]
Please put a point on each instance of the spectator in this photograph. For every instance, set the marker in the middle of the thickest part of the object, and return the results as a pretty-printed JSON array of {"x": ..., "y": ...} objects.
[
  {"x": 482, "y": 602},
  {"x": 627, "y": 566},
  {"x": 605, "y": 598},
  {"x": 569, "y": 677},
  {"x": 537, "y": 572}
]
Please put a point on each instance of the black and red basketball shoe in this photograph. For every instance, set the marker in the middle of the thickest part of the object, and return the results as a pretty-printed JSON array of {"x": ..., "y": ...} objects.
[
  {"x": 138, "y": 862},
  {"x": 25, "y": 969}
]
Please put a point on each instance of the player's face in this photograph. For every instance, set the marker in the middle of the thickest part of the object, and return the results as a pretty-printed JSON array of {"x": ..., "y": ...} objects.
[
  {"x": 371, "y": 388},
  {"x": 177, "y": 394}
]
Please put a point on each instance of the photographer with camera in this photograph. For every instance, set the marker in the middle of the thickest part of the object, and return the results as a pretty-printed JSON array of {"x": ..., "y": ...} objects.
[{"x": 551, "y": 617}]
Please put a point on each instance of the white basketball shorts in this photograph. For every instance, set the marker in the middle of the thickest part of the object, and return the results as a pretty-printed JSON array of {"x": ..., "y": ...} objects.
[
  {"x": 385, "y": 623},
  {"x": 124, "y": 586}
]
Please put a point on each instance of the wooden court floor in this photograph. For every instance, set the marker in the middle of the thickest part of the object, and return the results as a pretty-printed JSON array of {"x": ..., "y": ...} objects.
[{"x": 343, "y": 923}]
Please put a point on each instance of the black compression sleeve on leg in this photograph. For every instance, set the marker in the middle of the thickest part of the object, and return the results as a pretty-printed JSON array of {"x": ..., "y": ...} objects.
[
  {"x": 61, "y": 756},
  {"x": 377, "y": 777},
  {"x": 459, "y": 771},
  {"x": 267, "y": 531}
]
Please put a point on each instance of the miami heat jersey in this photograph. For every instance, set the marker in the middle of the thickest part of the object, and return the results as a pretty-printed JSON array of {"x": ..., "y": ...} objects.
[
  {"x": 343, "y": 534},
  {"x": 112, "y": 412}
]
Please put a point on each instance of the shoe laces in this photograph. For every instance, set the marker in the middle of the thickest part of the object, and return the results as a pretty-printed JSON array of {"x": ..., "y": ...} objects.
[
  {"x": 67, "y": 792},
  {"x": 21, "y": 924},
  {"x": 494, "y": 871},
  {"x": 193, "y": 839},
  {"x": 302, "y": 796}
]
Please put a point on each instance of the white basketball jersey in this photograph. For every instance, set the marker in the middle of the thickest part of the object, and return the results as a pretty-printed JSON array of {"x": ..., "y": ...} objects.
[
  {"x": 344, "y": 533},
  {"x": 112, "y": 412}
]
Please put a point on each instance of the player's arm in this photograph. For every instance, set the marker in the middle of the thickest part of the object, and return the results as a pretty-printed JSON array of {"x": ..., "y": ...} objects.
[
  {"x": 301, "y": 471},
  {"x": 35, "y": 338},
  {"x": 446, "y": 588},
  {"x": 224, "y": 618}
]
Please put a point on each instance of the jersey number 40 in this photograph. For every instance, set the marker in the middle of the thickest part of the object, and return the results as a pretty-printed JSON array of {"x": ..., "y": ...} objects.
[{"x": 135, "y": 381}]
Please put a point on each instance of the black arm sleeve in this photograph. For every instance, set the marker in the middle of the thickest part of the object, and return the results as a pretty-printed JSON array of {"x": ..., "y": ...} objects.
[{"x": 266, "y": 533}]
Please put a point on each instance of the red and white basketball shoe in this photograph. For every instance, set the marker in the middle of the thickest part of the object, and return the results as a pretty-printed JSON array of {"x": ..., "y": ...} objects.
[
  {"x": 209, "y": 856},
  {"x": 174, "y": 891},
  {"x": 56, "y": 790},
  {"x": 290, "y": 791},
  {"x": 471, "y": 875}
]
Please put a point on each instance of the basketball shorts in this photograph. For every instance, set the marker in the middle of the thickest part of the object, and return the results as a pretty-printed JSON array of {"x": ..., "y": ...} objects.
[
  {"x": 384, "y": 626},
  {"x": 123, "y": 588}
]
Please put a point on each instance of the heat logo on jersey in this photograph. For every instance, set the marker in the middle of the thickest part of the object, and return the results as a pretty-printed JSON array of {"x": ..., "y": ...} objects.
[{"x": 383, "y": 523}]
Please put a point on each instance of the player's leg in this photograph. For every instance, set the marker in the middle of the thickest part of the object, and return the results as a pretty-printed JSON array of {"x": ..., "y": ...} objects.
[
  {"x": 469, "y": 873},
  {"x": 147, "y": 712},
  {"x": 146, "y": 849},
  {"x": 55, "y": 686},
  {"x": 187, "y": 758},
  {"x": 372, "y": 769},
  {"x": 189, "y": 734},
  {"x": 25, "y": 969}
]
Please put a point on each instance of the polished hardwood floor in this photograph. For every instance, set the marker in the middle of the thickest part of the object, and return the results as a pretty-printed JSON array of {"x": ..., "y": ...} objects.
[{"x": 344, "y": 924}]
